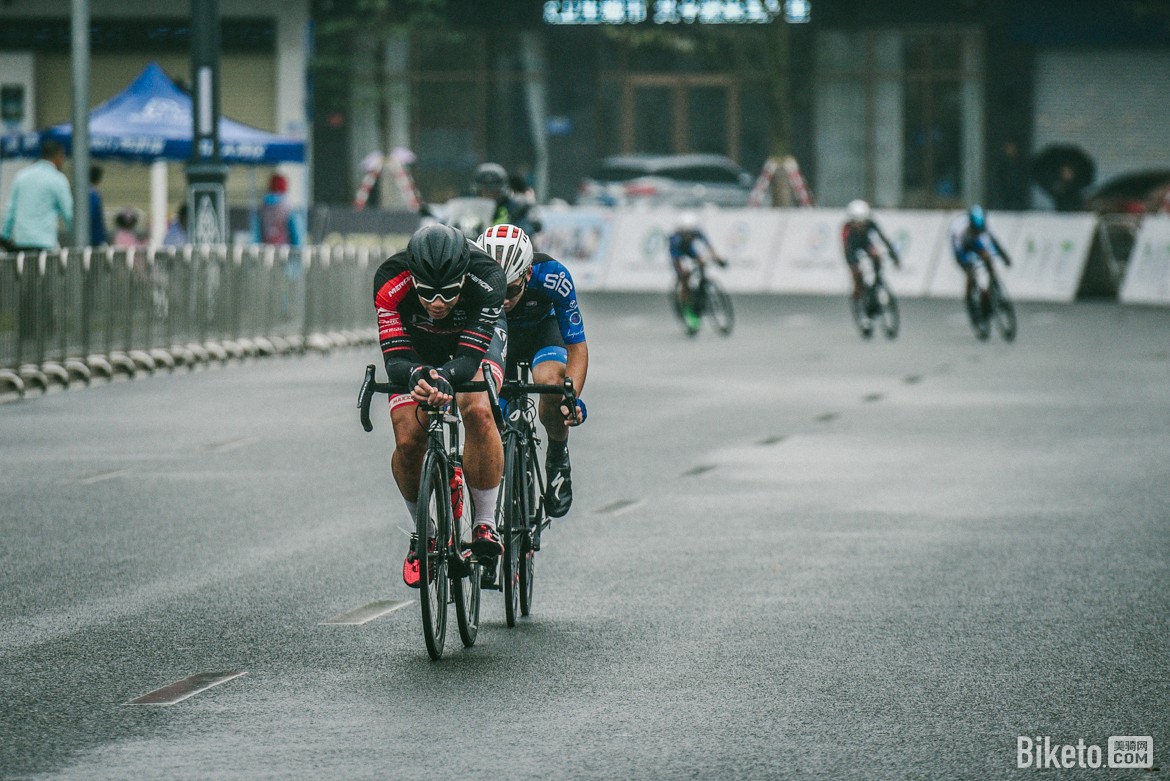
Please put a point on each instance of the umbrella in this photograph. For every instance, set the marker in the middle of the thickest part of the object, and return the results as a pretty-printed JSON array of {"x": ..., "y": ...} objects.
[{"x": 1049, "y": 161}]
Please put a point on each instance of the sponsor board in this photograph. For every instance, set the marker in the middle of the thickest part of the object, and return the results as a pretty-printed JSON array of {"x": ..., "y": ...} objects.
[
  {"x": 1049, "y": 255},
  {"x": 917, "y": 235},
  {"x": 1147, "y": 275},
  {"x": 810, "y": 257},
  {"x": 581, "y": 240}
]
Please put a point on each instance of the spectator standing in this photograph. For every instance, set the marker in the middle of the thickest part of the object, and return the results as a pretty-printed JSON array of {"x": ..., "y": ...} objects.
[
  {"x": 126, "y": 224},
  {"x": 40, "y": 195},
  {"x": 97, "y": 215},
  {"x": 1066, "y": 191},
  {"x": 1010, "y": 185},
  {"x": 278, "y": 224},
  {"x": 176, "y": 235}
]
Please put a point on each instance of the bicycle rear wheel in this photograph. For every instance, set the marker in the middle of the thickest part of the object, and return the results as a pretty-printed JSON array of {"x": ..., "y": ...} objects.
[
  {"x": 719, "y": 307},
  {"x": 891, "y": 320},
  {"x": 433, "y": 527},
  {"x": 511, "y": 530},
  {"x": 979, "y": 320},
  {"x": 1004, "y": 313}
]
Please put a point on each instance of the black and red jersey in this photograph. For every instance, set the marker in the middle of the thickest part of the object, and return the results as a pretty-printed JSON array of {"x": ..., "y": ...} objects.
[
  {"x": 407, "y": 333},
  {"x": 860, "y": 237}
]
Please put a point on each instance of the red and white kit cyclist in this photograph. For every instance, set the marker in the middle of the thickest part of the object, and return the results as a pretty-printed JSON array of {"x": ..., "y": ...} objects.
[{"x": 440, "y": 305}]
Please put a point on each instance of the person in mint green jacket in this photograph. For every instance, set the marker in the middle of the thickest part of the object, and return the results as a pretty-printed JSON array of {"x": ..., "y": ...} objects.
[{"x": 40, "y": 195}]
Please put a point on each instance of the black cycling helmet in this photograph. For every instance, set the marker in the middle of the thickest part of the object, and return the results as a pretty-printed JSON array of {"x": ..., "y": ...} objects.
[
  {"x": 438, "y": 255},
  {"x": 490, "y": 178}
]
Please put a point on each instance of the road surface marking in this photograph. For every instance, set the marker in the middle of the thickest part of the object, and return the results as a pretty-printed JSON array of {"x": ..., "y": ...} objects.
[
  {"x": 233, "y": 444},
  {"x": 101, "y": 476},
  {"x": 874, "y": 397},
  {"x": 620, "y": 506},
  {"x": 912, "y": 379},
  {"x": 773, "y": 440},
  {"x": 698, "y": 470},
  {"x": 827, "y": 417},
  {"x": 187, "y": 687},
  {"x": 366, "y": 613}
]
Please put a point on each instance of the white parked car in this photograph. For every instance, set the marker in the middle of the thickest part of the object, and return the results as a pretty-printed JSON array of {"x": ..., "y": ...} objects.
[{"x": 667, "y": 180}]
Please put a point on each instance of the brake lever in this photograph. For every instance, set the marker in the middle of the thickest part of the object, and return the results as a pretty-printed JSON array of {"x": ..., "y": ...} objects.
[{"x": 364, "y": 397}]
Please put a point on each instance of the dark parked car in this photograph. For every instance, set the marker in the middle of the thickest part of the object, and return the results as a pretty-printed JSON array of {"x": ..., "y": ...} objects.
[
  {"x": 1136, "y": 192},
  {"x": 669, "y": 180}
]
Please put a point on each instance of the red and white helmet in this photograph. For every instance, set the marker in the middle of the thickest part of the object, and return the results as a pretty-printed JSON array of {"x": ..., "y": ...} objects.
[{"x": 511, "y": 248}]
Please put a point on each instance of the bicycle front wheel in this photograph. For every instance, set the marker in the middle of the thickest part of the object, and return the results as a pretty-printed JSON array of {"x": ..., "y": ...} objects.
[
  {"x": 888, "y": 304},
  {"x": 534, "y": 513},
  {"x": 465, "y": 586},
  {"x": 1005, "y": 314},
  {"x": 512, "y": 529},
  {"x": 718, "y": 306},
  {"x": 433, "y": 529}
]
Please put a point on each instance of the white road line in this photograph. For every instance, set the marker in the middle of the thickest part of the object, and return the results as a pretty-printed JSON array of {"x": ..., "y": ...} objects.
[
  {"x": 620, "y": 506},
  {"x": 233, "y": 444},
  {"x": 187, "y": 687},
  {"x": 366, "y": 613},
  {"x": 102, "y": 476}
]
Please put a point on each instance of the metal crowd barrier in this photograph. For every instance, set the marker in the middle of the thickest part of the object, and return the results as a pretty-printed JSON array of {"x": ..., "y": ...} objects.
[{"x": 69, "y": 315}]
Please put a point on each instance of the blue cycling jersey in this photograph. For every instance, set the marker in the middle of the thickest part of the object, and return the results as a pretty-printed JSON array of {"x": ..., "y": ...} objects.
[
  {"x": 550, "y": 292},
  {"x": 683, "y": 244}
]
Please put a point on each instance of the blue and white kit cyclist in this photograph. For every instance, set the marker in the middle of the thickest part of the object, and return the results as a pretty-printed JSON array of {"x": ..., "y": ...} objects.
[
  {"x": 686, "y": 254},
  {"x": 974, "y": 244},
  {"x": 545, "y": 329}
]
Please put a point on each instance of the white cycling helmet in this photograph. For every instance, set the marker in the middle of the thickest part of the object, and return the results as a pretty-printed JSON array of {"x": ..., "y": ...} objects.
[
  {"x": 688, "y": 222},
  {"x": 510, "y": 247},
  {"x": 857, "y": 211}
]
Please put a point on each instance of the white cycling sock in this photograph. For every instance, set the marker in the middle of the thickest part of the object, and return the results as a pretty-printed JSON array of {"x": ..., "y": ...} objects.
[
  {"x": 412, "y": 508},
  {"x": 485, "y": 505}
]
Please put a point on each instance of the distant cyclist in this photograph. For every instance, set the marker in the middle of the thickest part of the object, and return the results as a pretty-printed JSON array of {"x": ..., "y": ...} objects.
[
  {"x": 546, "y": 330},
  {"x": 491, "y": 181},
  {"x": 973, "y": 244},
  {"x": 689, "y": 248},
  {"x": 440, "y": 305},
  {"x": 859, "y": 237}
]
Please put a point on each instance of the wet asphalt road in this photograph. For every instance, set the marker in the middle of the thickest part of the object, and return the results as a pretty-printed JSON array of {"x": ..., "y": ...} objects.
[{"x": 793, "y": 554}]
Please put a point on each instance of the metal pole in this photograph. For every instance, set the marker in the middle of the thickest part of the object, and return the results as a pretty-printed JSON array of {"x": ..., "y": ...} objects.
[
  {"x": 206, "y": 174},
  {"x": 80, "y": 43}
]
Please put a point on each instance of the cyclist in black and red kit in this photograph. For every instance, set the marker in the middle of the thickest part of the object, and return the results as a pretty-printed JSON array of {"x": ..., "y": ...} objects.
[
  {"x": 859, "y": 237},
  {"x": 440, "y": 305}
]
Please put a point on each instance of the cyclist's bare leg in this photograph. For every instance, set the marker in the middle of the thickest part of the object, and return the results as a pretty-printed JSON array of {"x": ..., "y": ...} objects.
[
  {"x": 551, "y": 373},
  {"x": 483, "y": 453},
  {"x": 410, "y": 444},
  {"x": 855, "y": 270}
]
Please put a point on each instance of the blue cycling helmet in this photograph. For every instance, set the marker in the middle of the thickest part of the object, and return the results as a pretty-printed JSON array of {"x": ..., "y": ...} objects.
[{"x": 977, "y": 218}]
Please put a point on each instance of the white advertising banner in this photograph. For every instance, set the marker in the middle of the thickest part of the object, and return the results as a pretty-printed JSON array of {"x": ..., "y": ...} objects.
[
  {"x": 580, "y": 238},
  {"x": 948, "y": 280},
  {"x": 1147, "y": 275},
  {"x": 745, "y": 238},
  {"x": 1049, "y": 255},
  {"x": 917, "y": 235},
  {"x": 811, "y": 259}
]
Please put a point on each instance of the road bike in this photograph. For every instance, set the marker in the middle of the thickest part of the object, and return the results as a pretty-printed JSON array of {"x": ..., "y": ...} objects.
[
  {"x": 707, "y": 299},
  {"x": 877, "y": 303},
  {"x": 451, "y": 573},
  {"x": 521, "y": 512},
  {"x": 988, "y": 304}
]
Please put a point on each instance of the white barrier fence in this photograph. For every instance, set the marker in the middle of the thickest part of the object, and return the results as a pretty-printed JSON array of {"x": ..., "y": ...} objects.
[
  {"x": 799, "y": 251},
  {"x": 1147, "y": 278}
]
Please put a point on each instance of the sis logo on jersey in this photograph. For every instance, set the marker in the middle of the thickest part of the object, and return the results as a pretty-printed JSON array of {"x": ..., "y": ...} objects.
[{"x": 559, "y": 284}]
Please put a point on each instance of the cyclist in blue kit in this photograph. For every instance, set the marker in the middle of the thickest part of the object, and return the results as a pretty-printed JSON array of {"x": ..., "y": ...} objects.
[{"x": 546, "y": 330}]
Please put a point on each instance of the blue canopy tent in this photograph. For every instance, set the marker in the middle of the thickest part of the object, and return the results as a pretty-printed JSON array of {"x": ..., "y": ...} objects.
[{"x": 150, "y": 121}]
